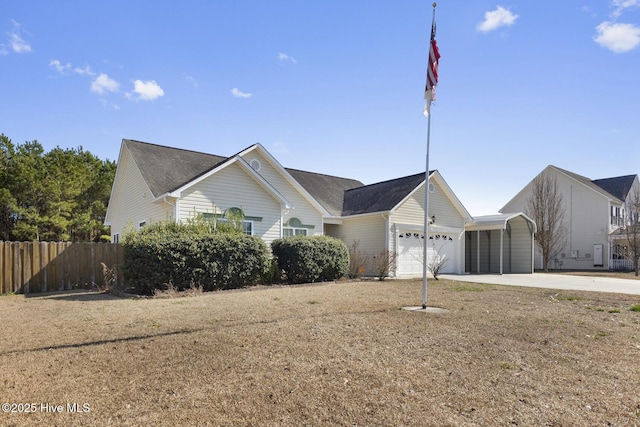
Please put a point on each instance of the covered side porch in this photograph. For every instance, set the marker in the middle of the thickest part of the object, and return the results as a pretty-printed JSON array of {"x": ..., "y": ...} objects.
[
  {"x": 620, "y": 254},
  {"x": 500, "y": 244}
]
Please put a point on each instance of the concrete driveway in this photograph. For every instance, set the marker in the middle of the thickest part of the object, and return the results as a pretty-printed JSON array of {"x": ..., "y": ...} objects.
[{"x": 553, "y": 281}]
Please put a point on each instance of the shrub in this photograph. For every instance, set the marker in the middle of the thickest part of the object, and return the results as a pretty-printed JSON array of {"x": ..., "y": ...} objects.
[
  {"x": 358, "y": 261},
  {"x": 185, "y": 256},
  {"x": 305, "y": 259},
  {"x": 383, "y": 262}
]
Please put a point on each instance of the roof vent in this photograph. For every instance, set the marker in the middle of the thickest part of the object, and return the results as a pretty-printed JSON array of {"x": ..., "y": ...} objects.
[{"x": 255, "y": 164}]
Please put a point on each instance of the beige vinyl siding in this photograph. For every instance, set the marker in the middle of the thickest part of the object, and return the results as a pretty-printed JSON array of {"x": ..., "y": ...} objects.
[
  {"x": 586, "y": 222},
  {"x": 233, "y": 187},
  {"x": 369, "y": 230},
  {"x": 306, "y": 212},
  {"x": 132, "y": 200},
  {"x": 411, "y": 212}
]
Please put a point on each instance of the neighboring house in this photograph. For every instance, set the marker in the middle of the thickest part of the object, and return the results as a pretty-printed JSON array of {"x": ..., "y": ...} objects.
[
  {"x": 158, "y": 183},
  {"x": 595, "y": 212}
]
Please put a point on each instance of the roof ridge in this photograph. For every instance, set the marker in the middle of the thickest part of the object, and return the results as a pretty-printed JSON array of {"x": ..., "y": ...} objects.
[
  {"x": 175, "y": 148},
  {"x": 391, "y": 180},
  {"x": 616, "y": 177},
  {"x": 321, "y": 174}
]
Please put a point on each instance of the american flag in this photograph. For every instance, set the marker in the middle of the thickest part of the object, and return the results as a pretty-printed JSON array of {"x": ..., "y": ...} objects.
[{"x": 432, "y": 71}]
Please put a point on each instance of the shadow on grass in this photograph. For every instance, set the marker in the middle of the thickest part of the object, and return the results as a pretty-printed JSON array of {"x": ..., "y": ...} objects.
[
  {"x": 99, "y": 342},
  {"x": 75, "y": 295}
]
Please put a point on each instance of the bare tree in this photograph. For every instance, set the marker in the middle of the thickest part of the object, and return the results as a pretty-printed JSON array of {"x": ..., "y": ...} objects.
[
  {"x": 437, "y": 263},
  {"x": 632, "y": 230},
  {"x": 546, "y": 208}
]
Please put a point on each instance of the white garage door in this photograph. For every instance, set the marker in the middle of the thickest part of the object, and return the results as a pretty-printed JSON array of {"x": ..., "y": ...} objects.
[{"x": 410, "y": 247}]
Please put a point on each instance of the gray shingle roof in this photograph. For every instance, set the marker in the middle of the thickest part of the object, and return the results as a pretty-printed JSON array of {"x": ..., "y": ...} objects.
[
  {"x": 588, "y": 182},
  {"x": 327, "y": 190},
  {"x": 618, "y": 186},
  {"x": 166, "y": 169},
  {"x": 381, "y": 196}
]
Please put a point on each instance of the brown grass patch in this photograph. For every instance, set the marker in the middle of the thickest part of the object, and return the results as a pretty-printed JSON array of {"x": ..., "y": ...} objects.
[
  {"x": 631, "y": 275},
  {"x": 332, "y": 354}
]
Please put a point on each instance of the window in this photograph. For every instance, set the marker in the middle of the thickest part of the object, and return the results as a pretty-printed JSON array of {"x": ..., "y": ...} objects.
[
  {"x": 247, "y": 228},
  {"x": 236, "y": 215},
  {"x": 295, "y": 227},
  {"x": 292, "y": 231},
  {"x": 115, "y": 238}
]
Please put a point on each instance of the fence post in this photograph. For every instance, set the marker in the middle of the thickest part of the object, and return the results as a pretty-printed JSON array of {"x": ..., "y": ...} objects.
[{"x": 32, "y": 267}]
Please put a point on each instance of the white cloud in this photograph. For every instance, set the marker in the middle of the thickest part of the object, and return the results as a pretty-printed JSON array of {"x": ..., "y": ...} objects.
[
  {"x": 283, "y": 57},
  {"x": 16, "y": 42},
  {"x": 621, "y": 5},
  {"x": 59, "y": 66},
  {"x": 617, "y": 37},
  {"x": 495, "y": 19},
  {"x": 236, "y": 92},
  {"x": 192, "y": 80},
  {"x": 103, "y": 84},
  {"x": 145, "y": 91},
  {"x": 86, "y": 71}
]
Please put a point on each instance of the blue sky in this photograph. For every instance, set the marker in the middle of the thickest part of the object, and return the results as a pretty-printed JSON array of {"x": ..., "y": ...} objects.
[{"x": 335, "y": 87}]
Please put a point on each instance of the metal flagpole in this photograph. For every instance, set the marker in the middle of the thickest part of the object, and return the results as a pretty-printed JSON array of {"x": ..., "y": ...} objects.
[
  {"x": 426, "y": 219},
  {"x": 428, "y": 94}
]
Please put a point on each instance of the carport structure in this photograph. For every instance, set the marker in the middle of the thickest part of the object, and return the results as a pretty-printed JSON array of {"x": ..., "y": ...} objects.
[{"x": 502, "y": 243}]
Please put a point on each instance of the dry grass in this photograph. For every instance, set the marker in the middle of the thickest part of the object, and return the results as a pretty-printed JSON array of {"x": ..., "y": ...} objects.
[
  {"x": 340, "y": 354},
  {"x": 631, "y": 275}
]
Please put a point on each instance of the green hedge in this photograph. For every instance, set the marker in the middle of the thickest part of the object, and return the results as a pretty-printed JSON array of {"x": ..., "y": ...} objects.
[
  {"x": 157, "y": 258},
  {"x": 305, "y": 259}
]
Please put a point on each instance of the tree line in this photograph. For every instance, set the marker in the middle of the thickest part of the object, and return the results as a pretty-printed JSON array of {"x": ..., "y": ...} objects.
[{"x": 59, "y": 195}]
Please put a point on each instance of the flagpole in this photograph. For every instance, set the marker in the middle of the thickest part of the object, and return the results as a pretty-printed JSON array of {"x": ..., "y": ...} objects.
[
  {"x": 426, "y": 186},
  {"x": 426, "y": 218}
]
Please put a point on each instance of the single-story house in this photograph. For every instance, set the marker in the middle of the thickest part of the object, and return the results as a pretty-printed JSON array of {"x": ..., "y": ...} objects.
[{"x": 158, "y": 183}]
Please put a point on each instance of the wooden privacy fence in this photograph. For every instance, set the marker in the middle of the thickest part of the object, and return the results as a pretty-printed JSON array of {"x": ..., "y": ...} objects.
[{"x": 31, "y": 267}]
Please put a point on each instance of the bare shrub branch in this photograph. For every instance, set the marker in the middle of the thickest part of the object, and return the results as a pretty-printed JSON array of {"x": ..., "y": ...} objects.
[{"x": 383, "y": 263}]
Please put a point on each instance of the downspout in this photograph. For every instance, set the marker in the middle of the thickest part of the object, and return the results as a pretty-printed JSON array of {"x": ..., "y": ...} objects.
[
  {"x": 501, "y": 248},
  {"x": 478, "y": 251},
  {"x": 489, "y": 251},
  {"x": 175, "y": 207},
  {"x": 387, "y": 236}
]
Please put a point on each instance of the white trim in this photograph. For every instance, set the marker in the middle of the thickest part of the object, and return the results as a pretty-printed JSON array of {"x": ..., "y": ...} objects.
[
  {"x": 116, "y": 178},
  {"x": 378, "y": 213},
  {"x": 333, "y": 220},
  {"x": 432, "y": 228},
  {"x": 610, "y": 197},
  {"x": 294, "y": 231},
  {"x": 495, "y": 222},
  {"x": 250, "y": 222},
  {"x": 244, "y": 165},
  {"x": 296, "y": 185},
  {"x": 447, "y": 191},
  {"x": 255, "y": 164}
]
